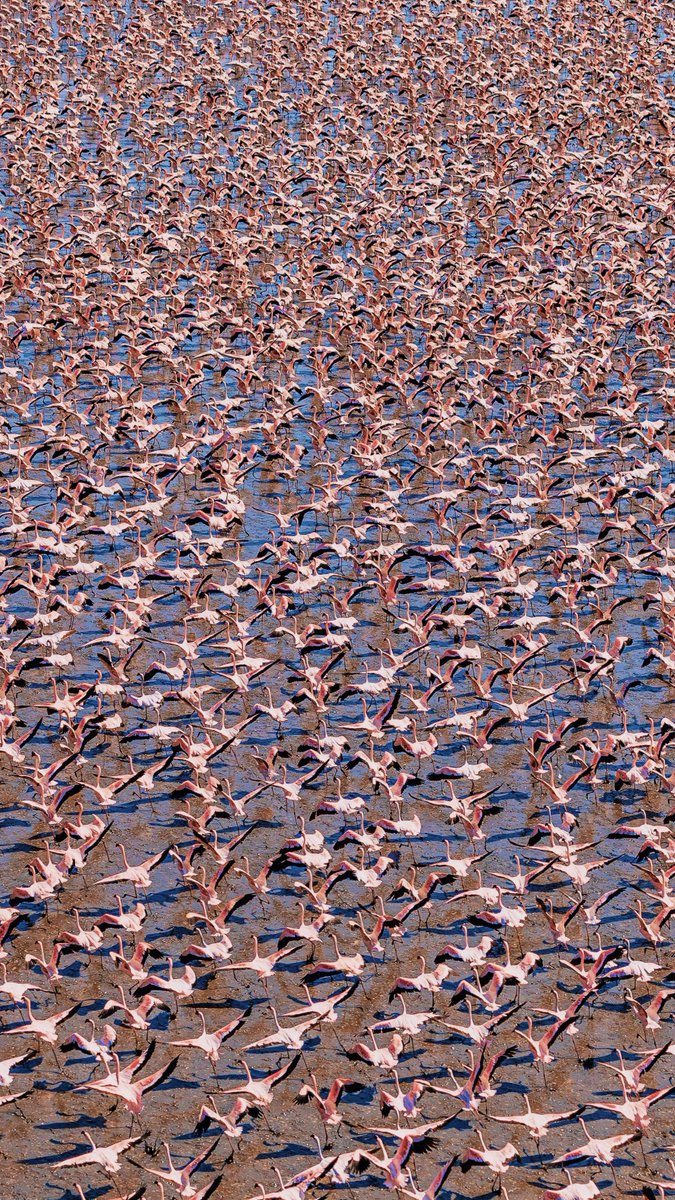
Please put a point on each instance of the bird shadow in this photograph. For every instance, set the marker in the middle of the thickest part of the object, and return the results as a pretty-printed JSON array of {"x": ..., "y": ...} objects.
[{"x": 290, "y": 1150}]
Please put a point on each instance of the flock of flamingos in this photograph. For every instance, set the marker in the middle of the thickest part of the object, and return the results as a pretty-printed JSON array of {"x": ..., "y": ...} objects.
[{"x": 337, "y": 599}]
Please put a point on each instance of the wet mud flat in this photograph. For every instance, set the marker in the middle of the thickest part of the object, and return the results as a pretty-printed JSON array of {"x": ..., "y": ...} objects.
[{"x": 336, "y": 598}]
